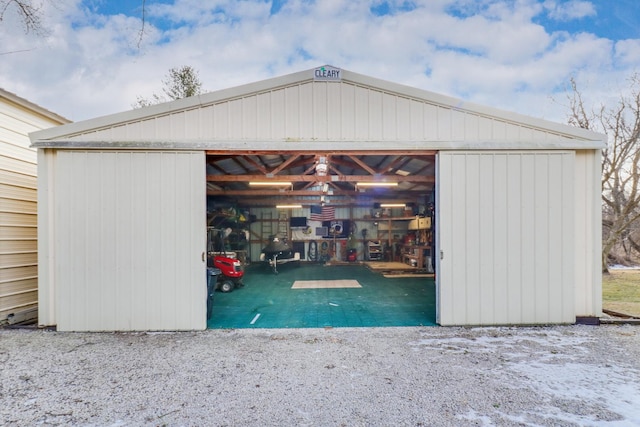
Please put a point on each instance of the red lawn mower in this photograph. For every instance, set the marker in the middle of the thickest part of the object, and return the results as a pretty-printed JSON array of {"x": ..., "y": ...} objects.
[{"x": 231, "y": 269}]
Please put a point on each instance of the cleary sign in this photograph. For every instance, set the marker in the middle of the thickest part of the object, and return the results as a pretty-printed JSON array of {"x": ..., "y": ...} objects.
[{"x": 327, "y": 74}]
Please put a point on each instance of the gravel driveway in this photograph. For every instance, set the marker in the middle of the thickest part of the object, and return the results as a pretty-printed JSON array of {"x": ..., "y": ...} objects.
[{"x": 539, "y": 376}]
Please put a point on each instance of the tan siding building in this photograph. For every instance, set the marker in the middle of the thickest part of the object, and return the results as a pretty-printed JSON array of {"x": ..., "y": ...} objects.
[{"x": 18, "y": 204}]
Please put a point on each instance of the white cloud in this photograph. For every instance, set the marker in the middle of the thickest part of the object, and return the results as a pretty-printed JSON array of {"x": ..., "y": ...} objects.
[
  {"x": 493, "y": 52},
  {"x": 627, "y": 52},
  {"x": 569, "y": 10}
]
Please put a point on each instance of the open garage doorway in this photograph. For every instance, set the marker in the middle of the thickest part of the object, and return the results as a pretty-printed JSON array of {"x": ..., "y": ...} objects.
[
  {"x": 318, "y": 296},
  {"x": 356, "y": 228}
]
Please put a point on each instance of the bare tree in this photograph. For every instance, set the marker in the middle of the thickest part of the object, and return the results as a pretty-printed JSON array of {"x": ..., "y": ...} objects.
[
  {"x": 620, "y": 165},
  {"x": 180, "y": 83},
  {"x": 29, "y": 11}
]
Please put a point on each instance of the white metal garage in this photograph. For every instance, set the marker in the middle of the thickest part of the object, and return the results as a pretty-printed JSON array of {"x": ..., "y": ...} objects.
[{"x": 122, "y": 199}]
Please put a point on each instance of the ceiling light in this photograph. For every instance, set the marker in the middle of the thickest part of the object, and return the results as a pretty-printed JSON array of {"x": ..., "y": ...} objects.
[
  {"x": 270, "y": 183},
  {"x": 288, "y": 206},
  {"x": 376, "y": 184},
  {"x": 322, "y": 167},
  {"x": 392, "y": 205}
]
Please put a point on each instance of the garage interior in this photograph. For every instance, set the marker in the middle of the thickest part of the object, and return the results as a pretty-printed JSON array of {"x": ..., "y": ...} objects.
[{"x": 357, "y": 229}]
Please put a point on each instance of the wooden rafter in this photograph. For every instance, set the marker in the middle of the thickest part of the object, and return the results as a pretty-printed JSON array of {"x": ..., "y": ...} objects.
[
  {"x": 328, "y": 178},
  {"x": 363, "y": 165}
]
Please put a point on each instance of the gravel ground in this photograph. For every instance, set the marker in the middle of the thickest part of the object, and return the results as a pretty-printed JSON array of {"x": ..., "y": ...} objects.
[{"x": 539, "y": 376}]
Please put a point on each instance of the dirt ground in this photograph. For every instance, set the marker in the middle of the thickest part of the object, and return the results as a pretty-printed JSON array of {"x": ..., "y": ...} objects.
[{"x": 415, "y": 376}]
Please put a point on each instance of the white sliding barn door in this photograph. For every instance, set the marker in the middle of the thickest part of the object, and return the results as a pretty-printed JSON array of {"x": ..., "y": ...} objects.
[
  {"x": 506, "y": 238},
  {"x": 129, "y": 240}
]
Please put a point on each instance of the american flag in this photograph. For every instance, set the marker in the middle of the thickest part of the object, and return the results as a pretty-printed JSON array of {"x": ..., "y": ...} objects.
[{"x": 322, "y": 213}]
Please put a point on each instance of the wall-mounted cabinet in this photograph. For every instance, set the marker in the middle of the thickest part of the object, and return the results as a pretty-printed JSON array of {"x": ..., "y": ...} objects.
[{"x": 420, "y": 223}]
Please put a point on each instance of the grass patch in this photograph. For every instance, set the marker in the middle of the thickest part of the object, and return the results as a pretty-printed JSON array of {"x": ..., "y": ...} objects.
[{"x": 621, "y": 291}]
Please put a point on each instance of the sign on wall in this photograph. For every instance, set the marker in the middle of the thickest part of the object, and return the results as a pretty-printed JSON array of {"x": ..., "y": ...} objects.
[{"x": 327, "y": 74}]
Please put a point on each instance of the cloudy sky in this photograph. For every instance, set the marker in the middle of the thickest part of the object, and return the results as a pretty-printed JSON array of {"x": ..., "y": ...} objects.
[{"x": 517, "y": 55}]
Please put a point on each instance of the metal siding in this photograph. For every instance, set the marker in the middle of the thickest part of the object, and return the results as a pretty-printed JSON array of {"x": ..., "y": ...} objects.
[
  {"x": 361, "y": 113},
  {"x": 305, "y": 116},
  {"x": 249, "y": 118},
  {"x": 319, "y": 111},
  {"x": 18, "y": 206},
  {"x": 375, "y": 124},
  {"x": 334, "y": 112},
  {"x": 292, "y": 110},
  {"x": 131, "y": 227},
  {"x": 506, "y": 232},
  {"x": 192, "y": 121},
  {"x": 320, "y": 114},
  {"x": 444, "y": 124},
  {"x": 515, "y": 229},
  {"x": 417, "y": 127},
  {"x": 403, "y": 119},
  {"x": 207, "y": 126},
  {"x": 389, "y": 117},
  {"x": 588, "y": 231},
  {"x": 348, "y": 109},
  {"x": 263, "y": 123},
  {"x": 471, "y": 127},
  {"x": 430, "y": 122},
  {"x": 498, "y": 130},
  {"x": 277, "y": 113},
  {"x": 498, "y": 204},
  {"x": 458, "y": 128}
]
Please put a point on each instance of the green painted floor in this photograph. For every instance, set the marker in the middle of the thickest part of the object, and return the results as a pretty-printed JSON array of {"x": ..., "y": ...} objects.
[{"x": 267, "y": 300}]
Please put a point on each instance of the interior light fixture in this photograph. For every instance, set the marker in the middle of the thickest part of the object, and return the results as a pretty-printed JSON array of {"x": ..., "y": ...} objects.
[
  {"x": 322, "y": 167},
  {"x": 392, "y": 205},
  {"x": 269, "y": 183},
  {"x": 377, "y": 184},
  {"x": 288, "y": 206}
]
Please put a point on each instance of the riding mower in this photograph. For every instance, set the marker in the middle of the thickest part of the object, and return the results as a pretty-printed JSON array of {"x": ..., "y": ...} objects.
[
  {"x": 231, "y": 269},
  {"x": 231, "y": 272}
]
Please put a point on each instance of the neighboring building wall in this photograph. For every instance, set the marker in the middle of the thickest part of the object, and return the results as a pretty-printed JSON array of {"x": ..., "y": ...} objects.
[
  {"x": 123, "y": 234},
  {"x": 18, "y": 203},
  {"x": 507, "y": 225}
]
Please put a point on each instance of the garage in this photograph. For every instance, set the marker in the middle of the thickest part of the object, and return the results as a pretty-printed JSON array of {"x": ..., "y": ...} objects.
[{"x": 497, "y": 213}]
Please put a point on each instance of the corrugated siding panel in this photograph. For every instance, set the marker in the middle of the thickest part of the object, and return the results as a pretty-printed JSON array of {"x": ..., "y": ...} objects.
[
  {"x": 588, "y": 234},
  {"x": 348, "y": 109},
  {"x": 320, "y": 111},
  {"x": 320, "y": 103},
  {"x": 130, "y": 241},
  {"x": 334, "y": 112},
  {"x": 18, "y": 207},
  {"x": 507, "y": 235}
]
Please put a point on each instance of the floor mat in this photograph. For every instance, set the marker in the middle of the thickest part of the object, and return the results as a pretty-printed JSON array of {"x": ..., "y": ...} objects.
[
  {"x": 267, "y": 300},
  {"x": 325, "y": 284}
]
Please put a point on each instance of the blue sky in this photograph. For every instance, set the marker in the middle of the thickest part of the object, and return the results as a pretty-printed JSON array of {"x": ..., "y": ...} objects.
[{"x": 517, "y": 55}]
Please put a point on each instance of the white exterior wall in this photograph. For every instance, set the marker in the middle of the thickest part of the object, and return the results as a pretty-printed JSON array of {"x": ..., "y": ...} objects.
[
  {"x": 588, "y": 229},
  {"x": 319, "y": 111},
  {"x": 18, "y": 203},
  {"x": 123, "y": 247},
  {"x": 506, "y": 233}
]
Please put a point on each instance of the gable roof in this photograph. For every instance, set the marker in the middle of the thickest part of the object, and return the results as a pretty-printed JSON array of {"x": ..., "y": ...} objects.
[
  {"x": 299, "y": 112},
  {"x": 28, "y": 105}
]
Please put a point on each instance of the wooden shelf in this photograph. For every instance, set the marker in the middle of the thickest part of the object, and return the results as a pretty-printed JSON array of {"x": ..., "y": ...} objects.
[{"x": 416, "y": 253}]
